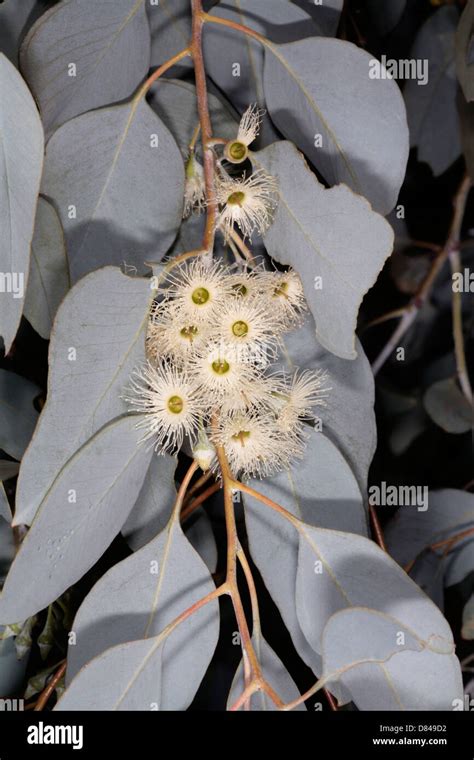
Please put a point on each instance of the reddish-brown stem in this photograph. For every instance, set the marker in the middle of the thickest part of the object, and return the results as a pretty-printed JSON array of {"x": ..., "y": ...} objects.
[
  {"x": 377, "y": 528},
  {"x": 237, "y": 27},
  {"x": 413, "y": 308},
  {"x": 265, "y": 500},
  {"x": 200, "y": 482},
  {"x": 446, "y": 542},
  {"x": 50, "y": 687},
  {"x": 191, "y": 507},
  {"x": 183, "y": 488},
  {"x": 205, "y": 122},
  {"x": 162, "y": 70}
]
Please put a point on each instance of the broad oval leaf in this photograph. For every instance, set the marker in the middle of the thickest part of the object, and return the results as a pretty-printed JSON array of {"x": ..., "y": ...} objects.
[
  {"x": 155, "y": 501},
  {"x": 79, "y": 516},
  {"x": 101, "y": 62},
  {"x": 18, "y": 416},
  {"x": 333, "y": 239},
  {"x": 21, "y": 164},
  {"x": 138, "y": 598},
  {"x": 320, "y": 490},
  {"x": 274, "y": 673},
  {"x": 121, "y": 171},
  {"x": 434, "y": 102},
  {"x": 235, "y": 62},
  {"x": 48, "y": 281},
  {"x": 127, "y": 677},
  {"x": 14, "y": 17},
  {"x": 97, "y": 339},
  {"x": 309, "y": 93},
  {"x": 386, "y": 666}
]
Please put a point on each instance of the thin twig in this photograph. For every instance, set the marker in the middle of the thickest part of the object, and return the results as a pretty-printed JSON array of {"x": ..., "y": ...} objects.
[
  {"x": 45, "y": 695},
  {"x": 463, "y": 376}
]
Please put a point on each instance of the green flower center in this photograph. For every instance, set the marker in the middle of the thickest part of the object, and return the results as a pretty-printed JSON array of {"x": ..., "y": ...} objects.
[
  {"x": 189, "y": 332},
  {"x": 241, "y": 436},
  {"x": 240, "y": 289},
  {"x": 221, "y": 366},
  {"x": 200, "y": 296},
  {"x": 175, "y": 404},
  {"x": 240, "y": 329},
  {"x": 236, "y": 199},
  {"x": 281, "y": 290},
  {"x": 237, "y": 151}
]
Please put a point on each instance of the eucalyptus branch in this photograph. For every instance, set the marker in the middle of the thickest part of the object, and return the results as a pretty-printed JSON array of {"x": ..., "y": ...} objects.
[
  {"x": 50, "y": 687},
  {"x": 412, "y": 310}
]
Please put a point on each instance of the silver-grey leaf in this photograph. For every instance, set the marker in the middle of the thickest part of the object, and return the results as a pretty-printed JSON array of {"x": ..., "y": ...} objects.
[
  {"x": 155, "y": 501},
  {"x": 309, "y": 93},
  {"x": 21, "y": 164},
  {"x": 138, "y": 598},
  {"x": 320, "y": 490},
  {"x": 468, "y": 620},
  {"x": 434, "y": 102},
  {"x": 386, "y": 666},
  {"x": 326, "y": 15},
  {"x": 18, "y": 416},
  {"x": 79, "y": 516},
  {"x": 329, "y": 234},
  {"x": 48, "y": 281},
  {"x": 274, "y": 673},
  {"x": 12, "y": 670},
  {"x": 122, "y": 172},
  {"x": 225, "y": 49},
  {"x": 448, "y": 407},
  {"x": 109, "y": 47},
  {"x": 175, "y": 103},
  {"x": 127, "y": 677},
  {"x": 14, "y": 17},
  {"x": 97, "y": 339},
  {"x": 170, "y": 26},
  {"x": 410, "y": 532},
  {"x": 5, "y": 511}
]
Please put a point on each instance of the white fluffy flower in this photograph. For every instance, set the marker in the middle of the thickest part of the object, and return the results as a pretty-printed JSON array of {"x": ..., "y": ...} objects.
[
  {"x": 236, "y": 150},
  {"x": 248, "y": 203},
  {"x": 249, "y": 327},
  {"x": 171, "y": 335},
  {"x": 298, "y": 397},
  {"x": 285, "y": 290},
  {"x": 197, "y": 289},
  {"x": 194, "y": 187},
  {"x": 253, "y": 445},
  {"x": 170, "y": 403},
  {"x": 224, "y": 377}
]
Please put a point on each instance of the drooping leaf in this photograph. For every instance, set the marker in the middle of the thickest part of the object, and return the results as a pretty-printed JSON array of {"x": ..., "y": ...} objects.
[
  {"x": 97, "y": 339},
  {"x": 155, "y": 501},
  {"x": 461, "y": 562},
  {"x": 274, "y": 673},
  {"x": 12, "y": 670},
  {"x": 434, "y": 102},
  {"x": 410, "y": 532},
  {"x": 308, "y": 93},
  {"x": 350, "y": 396},
  {"x": 320, "y": 490},
  {"x": 21, "y": 163},
  {"x": 79, "y": 516},
  {"x": 48, "y": 281},
  {"x": 386, "y": 666},
  {"x": 170, "y": 26},
  {"x": 235, "y": 62},
  {"x": 14, "y": 18},
  {"x": 127, "y": 677},
  {"x": 7, "y": 543},
  {"x": 325, "y": 15},
  {"x": 18, "y": 416},
  {"x": 138, "y": 598},
  {"x": 464, "y": 51},
  {"x": 448, "y": 407},
  {"x": 82, "y": 54},
  {"x": 116, "y": 178},
  {"x": 333, "y": 239},
  {"x": 8, "y": 469}
]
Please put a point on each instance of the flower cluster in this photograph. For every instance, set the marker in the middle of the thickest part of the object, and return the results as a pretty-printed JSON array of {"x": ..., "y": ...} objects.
[
  {"x": 245, "y": 202},
  {"x": 213, "y": 338}
]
